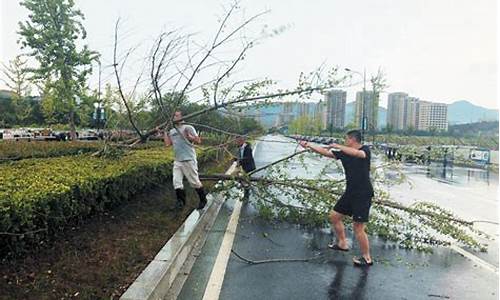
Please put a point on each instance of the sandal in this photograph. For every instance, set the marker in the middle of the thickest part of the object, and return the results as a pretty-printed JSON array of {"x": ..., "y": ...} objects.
[
  {"x": 360, "y": 261},
  {"x": 336, "y": 247}
]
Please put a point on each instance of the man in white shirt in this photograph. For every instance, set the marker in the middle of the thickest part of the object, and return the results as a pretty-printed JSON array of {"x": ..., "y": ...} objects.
[{"x": 182, "y": 137}]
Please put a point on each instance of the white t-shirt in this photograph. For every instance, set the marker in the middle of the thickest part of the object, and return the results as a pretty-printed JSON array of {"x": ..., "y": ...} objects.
[{"x": 183, "y": 149}]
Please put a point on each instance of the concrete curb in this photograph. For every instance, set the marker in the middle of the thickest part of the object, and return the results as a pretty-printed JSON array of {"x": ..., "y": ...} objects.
[{"x": 157, "y": 278}]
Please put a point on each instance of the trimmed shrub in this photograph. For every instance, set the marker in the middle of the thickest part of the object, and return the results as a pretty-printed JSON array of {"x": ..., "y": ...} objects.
[
  {"x": 40, "y": 196},
  {"x": 10, "y": 150}
]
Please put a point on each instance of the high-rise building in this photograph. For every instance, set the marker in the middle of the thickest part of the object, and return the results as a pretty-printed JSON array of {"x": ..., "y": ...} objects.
[
  {"x": 432, "y": 116},
  {"x": 412, "y": 107},
  {"x": 288, "y": 112},
  {"x": 320, "y": 113},
  {"x": 402, "y": 111},
  {"x": 258, "y": 116},
  {"x": 335, "y": 108},
  {"x": 397, "y": 110},
  {"x": 303, "y": 109},
  {"x": 367, "y": 108},
  {"x": 306, "y": 109}
]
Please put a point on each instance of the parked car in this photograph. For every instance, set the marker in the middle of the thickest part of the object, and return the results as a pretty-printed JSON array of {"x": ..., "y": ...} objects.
[
  {"x": 17, "y": 135},
  {"x": 87, "y": 135}
]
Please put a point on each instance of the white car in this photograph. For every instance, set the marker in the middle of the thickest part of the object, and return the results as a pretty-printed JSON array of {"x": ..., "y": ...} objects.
[{"x": 17, "y": 135}]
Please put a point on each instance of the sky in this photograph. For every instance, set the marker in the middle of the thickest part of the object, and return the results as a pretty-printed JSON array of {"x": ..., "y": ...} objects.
[{"x": 436, "y": 50}]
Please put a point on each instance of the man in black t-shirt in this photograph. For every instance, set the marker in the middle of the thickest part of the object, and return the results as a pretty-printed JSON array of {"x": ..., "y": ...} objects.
[{"x": 356, "y": 200}]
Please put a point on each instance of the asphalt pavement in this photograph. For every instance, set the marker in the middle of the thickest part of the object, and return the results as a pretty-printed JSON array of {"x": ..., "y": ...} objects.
[{"x": 396, "y": 273}]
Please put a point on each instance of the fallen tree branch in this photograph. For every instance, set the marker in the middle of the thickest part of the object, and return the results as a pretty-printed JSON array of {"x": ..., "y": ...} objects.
[
  {"x": 439, "y": 296},
  {"x": 246, "y": 179},
  {"x": 294, "y": 184},
  {"x": 275, "y": 260},
  {"x": 23, "y": 233},
  {"x": 484, "y": 221},
  {"x": 118, "y": 81},
  {"x": 237, "y": 101},
  {"x": 420, "y": 212},
  {"x": 277, "y": 162},
  {"x": 214, "y": 129}
]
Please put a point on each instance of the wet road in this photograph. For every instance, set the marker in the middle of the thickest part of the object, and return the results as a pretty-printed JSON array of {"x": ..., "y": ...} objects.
[
  {"x": 471, "y": 194},
  {"x": 396, "y": 274}
]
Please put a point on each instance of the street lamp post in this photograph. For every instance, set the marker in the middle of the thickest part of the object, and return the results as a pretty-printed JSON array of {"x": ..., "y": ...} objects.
[
  {"x": 73, "y": 132},
  {"x": 99, "y": 90},
  {"x": 99, "y": 115},
  {"x": 363, "y": 104}
]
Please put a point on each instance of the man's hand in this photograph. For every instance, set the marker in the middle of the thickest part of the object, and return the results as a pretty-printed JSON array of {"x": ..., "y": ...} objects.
[
  {"x": 191, "y": 138},
  {"x": 304, "y": 144},
  {"x": 159, "y": 130},
  {"x": 187, "y": 135}
]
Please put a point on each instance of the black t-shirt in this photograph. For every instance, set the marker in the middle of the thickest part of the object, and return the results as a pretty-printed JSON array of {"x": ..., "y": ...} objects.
[{"x": 357, "y": 172}]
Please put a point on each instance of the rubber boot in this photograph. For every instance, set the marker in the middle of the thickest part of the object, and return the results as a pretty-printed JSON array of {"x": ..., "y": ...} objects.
[
  {"x": 181, "y": 198},
  {"x": 246, "y": 193},
  {"x": 202, "y": 196}
]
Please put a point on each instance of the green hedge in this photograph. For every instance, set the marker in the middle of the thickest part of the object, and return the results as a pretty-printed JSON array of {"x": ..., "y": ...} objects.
[
  {"x": 487, "y": 142},
  {"x": 39, "y": 196},
  {"x": 11, "y": 150}
]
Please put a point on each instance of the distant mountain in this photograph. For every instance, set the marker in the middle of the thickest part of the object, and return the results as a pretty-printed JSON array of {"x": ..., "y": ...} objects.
[
  {"x": 483, "y": 128},
  {"x": 462, "y": 112},
  {"x": 7, "y": 95}
]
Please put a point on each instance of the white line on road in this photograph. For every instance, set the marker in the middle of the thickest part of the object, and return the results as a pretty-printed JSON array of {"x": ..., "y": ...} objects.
[
  {"x": 216, "y": 279},
  {"x": 474, "y": 258}
]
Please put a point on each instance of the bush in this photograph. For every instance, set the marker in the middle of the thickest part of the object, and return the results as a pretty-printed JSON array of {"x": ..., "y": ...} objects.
[
  {"x": 11, "y": 150},
  {"x": 39, "y": 197}
]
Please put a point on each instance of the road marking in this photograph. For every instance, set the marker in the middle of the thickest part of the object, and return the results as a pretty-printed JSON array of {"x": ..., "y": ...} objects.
[
  {"x": 474, "y": 258},
  {"x": 216, "y": 279}
]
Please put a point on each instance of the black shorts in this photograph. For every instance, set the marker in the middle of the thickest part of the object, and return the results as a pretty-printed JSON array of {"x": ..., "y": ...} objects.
[{"x": 355, "y": 205}]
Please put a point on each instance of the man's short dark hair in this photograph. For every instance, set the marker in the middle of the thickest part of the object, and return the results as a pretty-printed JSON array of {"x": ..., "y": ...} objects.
[{"x": 356, "y": 134}]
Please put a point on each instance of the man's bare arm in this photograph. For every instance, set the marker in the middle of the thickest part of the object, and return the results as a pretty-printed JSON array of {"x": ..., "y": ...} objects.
[
  {"x": 317, "y": 149},
  {"x": 167, "y": 140},
  {"x": 349, "y": 151}
]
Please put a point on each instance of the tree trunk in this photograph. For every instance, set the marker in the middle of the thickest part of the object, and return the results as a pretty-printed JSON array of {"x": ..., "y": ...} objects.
[{"x": 72, "y": 125}]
